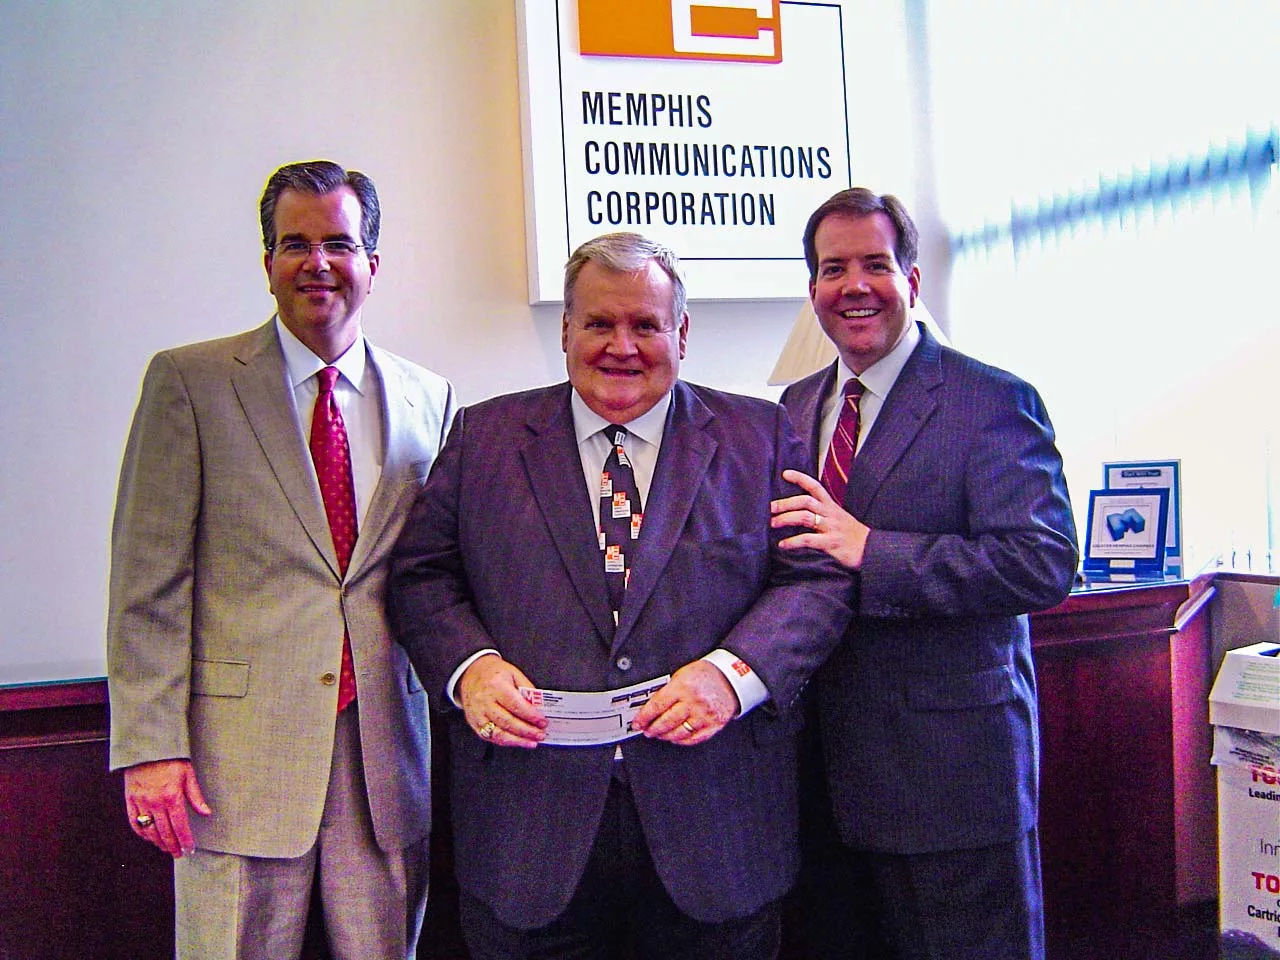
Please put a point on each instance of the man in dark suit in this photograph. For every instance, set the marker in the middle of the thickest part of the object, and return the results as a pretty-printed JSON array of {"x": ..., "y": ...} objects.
[
  {"x": 955, "y": 522},
  {"x": 680, "y": 841}
]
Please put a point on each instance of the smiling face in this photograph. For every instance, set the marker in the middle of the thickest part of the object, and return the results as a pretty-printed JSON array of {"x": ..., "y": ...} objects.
[
  {"x": 318, "y": 297},
  {"x": 861, "y": 295},
  {"x": 622, "y": 344}
]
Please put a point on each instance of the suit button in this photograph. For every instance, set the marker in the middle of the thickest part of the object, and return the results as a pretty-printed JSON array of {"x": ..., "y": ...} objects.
[
  {"x": 624, "y": 663},
  {"x": 328, "y": 679}
]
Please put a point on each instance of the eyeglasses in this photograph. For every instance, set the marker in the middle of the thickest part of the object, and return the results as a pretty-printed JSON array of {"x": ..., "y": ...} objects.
[{"x": 332, "y": 249}]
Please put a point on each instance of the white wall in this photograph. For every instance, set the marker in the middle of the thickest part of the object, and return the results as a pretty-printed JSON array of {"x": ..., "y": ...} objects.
[{"x": 136, "y": 140}]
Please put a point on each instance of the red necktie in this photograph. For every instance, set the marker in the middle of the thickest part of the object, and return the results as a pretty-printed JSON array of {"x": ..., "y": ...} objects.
[
  {"x": 835, "y": 471},
  {"x": 332, "y": 458}
]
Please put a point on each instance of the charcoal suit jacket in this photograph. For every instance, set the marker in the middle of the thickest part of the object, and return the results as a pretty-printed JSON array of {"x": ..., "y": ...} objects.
[
  {"x": 500, "y": 551},
  {"x": 927, "y": 710}
]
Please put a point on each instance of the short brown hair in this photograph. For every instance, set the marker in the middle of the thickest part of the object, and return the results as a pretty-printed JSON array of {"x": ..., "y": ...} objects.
[
  {"x": 861, "y": 202},
  {"x": 319, "y": 177}
]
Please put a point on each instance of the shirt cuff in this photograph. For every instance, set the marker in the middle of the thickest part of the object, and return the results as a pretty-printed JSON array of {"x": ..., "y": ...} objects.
[
  {"x": 746, "y": 682},
  {"x": 451, "y": 687}
]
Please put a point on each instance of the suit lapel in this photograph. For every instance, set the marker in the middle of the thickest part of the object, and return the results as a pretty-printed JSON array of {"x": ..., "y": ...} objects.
[
  {"x": 807, "y": 408},
  {"x": 267, "y": 400},
  {"x": 682, "y": 464},
  {"x": 908, "y": 407},
  {"x": 397, "y": 411},
  {"x": 554, "y": 469}
]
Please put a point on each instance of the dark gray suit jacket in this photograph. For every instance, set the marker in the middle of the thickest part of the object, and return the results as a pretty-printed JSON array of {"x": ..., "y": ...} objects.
[
  {"x": 928, "y": 709},
  {"x": 500, "y": 551}
]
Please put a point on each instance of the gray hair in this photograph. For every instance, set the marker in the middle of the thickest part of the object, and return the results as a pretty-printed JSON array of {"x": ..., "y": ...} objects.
[
  {"x": 627, "y": 253},
  {"x": 318, "y": 177}
]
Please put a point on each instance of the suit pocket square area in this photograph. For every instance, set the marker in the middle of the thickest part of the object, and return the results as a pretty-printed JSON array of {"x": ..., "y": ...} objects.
[
  {"x": 219, "y": 678},
  {"x": 961, "y": 691}
]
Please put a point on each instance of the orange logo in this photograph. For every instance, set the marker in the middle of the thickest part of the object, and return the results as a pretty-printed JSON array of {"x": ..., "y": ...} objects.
[{"x": 749, "y": 30}]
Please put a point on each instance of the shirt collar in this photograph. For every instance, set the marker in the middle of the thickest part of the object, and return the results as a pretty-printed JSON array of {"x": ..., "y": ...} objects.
[
  {"x": 648, "y": 426},
  {"x": 302, "y": 364},
  {"x": 880, "y": 377}
]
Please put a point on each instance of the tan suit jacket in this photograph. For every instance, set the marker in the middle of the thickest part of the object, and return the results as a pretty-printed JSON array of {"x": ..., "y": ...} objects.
[{"x": 227, "y": 609}]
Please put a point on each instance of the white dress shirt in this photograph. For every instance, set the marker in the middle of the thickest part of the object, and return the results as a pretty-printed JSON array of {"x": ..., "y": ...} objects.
[
  {"x": 877, "y": 380},
  {"x": 359, "y": 398}
]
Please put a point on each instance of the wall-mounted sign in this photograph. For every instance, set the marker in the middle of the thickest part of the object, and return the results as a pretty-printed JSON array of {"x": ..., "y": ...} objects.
[{"x": 715, "y": 127}]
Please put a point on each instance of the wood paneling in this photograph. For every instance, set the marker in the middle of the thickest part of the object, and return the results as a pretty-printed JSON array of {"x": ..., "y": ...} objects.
[
  {"x": 1127, "y": 829},
  {"x": 76, "y": 882},
  {"x": 1118, "y": 751}
]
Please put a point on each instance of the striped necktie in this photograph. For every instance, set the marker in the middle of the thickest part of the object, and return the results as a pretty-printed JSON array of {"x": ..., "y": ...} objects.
[{"x": 844, "y": 442}]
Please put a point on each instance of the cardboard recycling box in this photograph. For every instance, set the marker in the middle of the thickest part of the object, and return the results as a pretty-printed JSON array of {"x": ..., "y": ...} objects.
[{"x": 1244, "y": 708}]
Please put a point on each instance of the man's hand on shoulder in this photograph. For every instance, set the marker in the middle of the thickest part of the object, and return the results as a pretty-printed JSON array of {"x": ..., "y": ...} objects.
[
  {"x": 831, "y": 528},
  {"x": 489, "y": 691},
  {"x": 693, "y": 707},
  {"x": 157, "y": 794}
]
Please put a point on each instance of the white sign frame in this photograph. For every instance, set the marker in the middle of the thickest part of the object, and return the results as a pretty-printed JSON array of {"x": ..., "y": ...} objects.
[{"x": 722, "y": 260}]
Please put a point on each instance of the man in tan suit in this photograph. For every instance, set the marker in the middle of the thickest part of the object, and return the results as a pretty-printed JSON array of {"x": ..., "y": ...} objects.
[{"x": 253, "y": 679}]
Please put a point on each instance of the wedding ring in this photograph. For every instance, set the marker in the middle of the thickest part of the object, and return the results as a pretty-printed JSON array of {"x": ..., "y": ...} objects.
[
  {"x": 144, "y": 820},
  {"x": 688, "y": 726},
  {"x": 487, "y": 730},
  {"x": 817, "y": 520}
]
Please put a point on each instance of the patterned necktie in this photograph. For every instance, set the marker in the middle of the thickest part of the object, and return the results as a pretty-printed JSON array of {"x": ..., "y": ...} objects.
[
  {"x": 332, "y": 458},
  {"x": 835, "y": 471},
  {"x": 620, "y": 515}
]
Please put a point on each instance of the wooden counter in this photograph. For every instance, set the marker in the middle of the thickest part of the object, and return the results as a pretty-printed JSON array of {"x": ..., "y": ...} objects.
[
  {"x": 1127, "y": 830},
  {"x": 1127, "y": 798}
]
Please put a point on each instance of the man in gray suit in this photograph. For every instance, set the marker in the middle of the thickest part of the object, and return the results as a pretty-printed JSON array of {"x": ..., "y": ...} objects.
[
  {"x": 942, "y": 492},
  {"x": 253, "y": 678}
]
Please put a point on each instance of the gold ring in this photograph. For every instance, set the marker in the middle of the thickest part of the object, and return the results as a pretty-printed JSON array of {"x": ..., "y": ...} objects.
[
  {"x": 688, "y": 726},
  {"x": 487, "y": 730},
  {"x": 817, "y": 520},
  {"x": 144, "y": 820}
]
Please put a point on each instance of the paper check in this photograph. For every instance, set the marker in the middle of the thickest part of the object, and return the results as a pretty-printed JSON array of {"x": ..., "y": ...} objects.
[{"x": 584, "y": 719}]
